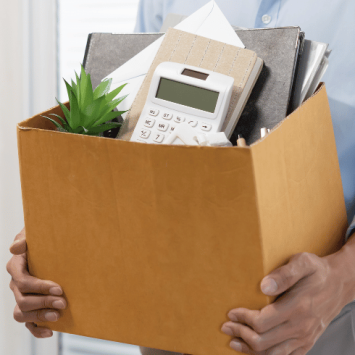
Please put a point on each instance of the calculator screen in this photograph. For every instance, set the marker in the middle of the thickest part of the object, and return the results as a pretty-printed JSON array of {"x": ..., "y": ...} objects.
[{"x": 187, "y": 95}]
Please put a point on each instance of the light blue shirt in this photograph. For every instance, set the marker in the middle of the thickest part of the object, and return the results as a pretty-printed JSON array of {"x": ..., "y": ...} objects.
[{"x": 325, "y": 21}]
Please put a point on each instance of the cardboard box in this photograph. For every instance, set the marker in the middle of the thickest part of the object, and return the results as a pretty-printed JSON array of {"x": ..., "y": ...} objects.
[{"x": 153, "y": 245}]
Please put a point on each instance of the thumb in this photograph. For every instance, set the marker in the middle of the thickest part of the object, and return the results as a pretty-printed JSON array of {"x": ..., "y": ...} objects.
[
  {"x": 19, "y": 245},
  {"x": 283, "y": 278}
]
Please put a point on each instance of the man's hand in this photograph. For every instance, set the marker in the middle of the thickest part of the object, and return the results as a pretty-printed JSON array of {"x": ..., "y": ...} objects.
[
  {"x": 312, "y": 292},
  {"x": 37, "y": 300}
]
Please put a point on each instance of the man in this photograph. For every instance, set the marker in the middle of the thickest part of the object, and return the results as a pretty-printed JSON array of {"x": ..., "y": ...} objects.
[{"x": 314, "y": 313}]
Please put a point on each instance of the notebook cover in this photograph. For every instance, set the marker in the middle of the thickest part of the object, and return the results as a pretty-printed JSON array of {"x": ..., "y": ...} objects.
[
  {"x": 268, "y": 102},
  {"x": 105, "y": 52}
]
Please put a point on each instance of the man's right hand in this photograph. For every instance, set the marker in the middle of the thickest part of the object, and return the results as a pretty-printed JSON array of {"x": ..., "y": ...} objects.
[{"x": 37, "y": 300}]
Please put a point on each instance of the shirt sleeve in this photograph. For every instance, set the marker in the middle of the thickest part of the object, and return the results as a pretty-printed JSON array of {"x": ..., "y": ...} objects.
[
  {"x": 350, "y": 230},
  {"x": 149, "y": 16}
]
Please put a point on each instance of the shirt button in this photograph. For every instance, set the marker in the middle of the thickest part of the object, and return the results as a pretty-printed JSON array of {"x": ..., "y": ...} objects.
[{"x": 266, "y": 19}]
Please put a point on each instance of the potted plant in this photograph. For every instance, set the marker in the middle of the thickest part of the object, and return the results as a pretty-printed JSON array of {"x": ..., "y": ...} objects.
[{"x": 91, "y": 111}]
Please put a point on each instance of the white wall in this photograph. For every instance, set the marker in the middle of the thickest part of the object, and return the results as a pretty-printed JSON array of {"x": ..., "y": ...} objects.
[
  {"x": 27, "y": 85},
  {"x": 29, "y": 71},
  {"x": 78, "y": 18},
  {"x": 11, "y": 112}
]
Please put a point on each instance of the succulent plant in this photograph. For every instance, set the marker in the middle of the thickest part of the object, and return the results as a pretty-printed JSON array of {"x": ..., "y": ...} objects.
[{"x": 90, "y": 110}]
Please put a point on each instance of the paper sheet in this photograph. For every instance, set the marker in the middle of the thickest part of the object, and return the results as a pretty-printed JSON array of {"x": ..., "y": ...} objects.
[{"x": 208, "y": 21}]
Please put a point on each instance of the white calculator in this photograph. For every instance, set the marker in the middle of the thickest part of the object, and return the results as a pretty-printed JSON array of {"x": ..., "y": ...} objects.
[{"x": 182, "y": 93}]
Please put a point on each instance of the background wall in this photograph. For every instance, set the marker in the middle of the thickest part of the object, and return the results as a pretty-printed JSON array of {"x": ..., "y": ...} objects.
[{"x": 40, "y": 42}]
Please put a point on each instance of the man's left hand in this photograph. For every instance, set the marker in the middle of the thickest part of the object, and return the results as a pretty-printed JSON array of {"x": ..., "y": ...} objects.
[{"x": 312, "y": 293}]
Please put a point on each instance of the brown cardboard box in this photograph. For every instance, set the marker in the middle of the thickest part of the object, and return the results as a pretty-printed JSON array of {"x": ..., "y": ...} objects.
[{"x": 153, "y": 245}]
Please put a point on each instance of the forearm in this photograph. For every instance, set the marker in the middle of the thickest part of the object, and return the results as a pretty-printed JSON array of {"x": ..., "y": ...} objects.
[{"x": 343, "y": 265}]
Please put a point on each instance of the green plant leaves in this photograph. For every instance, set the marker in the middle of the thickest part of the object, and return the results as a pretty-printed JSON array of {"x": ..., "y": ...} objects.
[
  {"x": 65, "y": 111},
  {"x": 110, "y": 96},
  {"x": 65, "y": 124},
  {"x": 60, "y": 128},
  {"x": 102, "y": 88},
  {"x": 74, "y": 111},
  {"x": 90, "y": 110}
]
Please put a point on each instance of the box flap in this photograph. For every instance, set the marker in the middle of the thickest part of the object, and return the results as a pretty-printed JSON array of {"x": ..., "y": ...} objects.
[{"x": 299, "y": 186}]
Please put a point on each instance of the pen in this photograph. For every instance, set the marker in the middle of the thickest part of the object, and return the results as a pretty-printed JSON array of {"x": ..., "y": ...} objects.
[{"x": 241, "y": 141}]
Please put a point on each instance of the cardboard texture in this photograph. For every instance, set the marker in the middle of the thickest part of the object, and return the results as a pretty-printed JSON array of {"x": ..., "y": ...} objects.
[
  {"x": 153, "y": 245},
  {"x": 186, "y": 48}
]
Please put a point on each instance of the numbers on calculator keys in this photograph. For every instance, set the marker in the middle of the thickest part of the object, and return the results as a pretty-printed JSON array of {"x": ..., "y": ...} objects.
[
  {"x": 158, "y": 137},
  {"x": 144, "y": 133}
]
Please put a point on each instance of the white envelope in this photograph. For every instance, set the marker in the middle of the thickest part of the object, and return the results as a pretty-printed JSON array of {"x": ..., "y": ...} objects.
[{"x": 208, "y": 21}]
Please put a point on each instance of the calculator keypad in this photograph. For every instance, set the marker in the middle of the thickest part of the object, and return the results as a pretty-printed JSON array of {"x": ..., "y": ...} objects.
[
  {"x": 144, "y": 133},
  {"x": 192, "y": 123},
  {"x": 167, "y": 116},
  {"x": 158, "y": 137},
  {"x": 149, "y": 122},
  {"x": 154, "y": 112},
  {"x": 179, "y": 119},
  {"x": 206, "y": 126},
  {"x": 163, "y": 127},
  {"x": 163, "y": 124}
]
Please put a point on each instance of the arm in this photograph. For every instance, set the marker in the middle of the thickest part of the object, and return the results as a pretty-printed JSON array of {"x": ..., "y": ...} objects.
[
  {"x": 36, "y": 300},
  {"x": 312, "y": 291}
]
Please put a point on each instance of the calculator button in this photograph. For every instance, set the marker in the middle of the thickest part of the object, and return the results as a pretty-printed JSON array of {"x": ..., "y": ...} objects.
[
  {"x": 144, "y": 133},
  {"x": 206, "y": 126},
  {"x": 158, "y": 137},
  {"x": 192, "y": 123},
  {"x": 149, "y": 122},
  {"x": 179, "y": 119},
  {"x": 153, "y": 112},
  {"x": 172, "y": 128},
  {"x": 167, "y": 116},
  {"x": 162, "y": 126}
]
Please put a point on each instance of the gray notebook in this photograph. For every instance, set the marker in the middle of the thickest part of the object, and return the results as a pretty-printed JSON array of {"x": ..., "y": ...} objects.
[{"x": 267, "y": 105}]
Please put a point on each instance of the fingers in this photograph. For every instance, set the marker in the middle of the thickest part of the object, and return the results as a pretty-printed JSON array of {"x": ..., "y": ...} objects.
[
  {"x": 31, "y": 302},
  {"x": 30, "y": 284},
  {"x": 17, "y": 268},
  {"x": 19, "y": 245},
  {"x": 38, "y": 332},
  {"x": 287, "y": 348},
  {"x": 265, "y": 341},
  {"x": 248, "y": 335},
  {"x": 261, "y": 321},
  {"x": 283, "y": 278},
  {"x": 241, "y": 346},
  {"x": 42, "y": 315}
]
